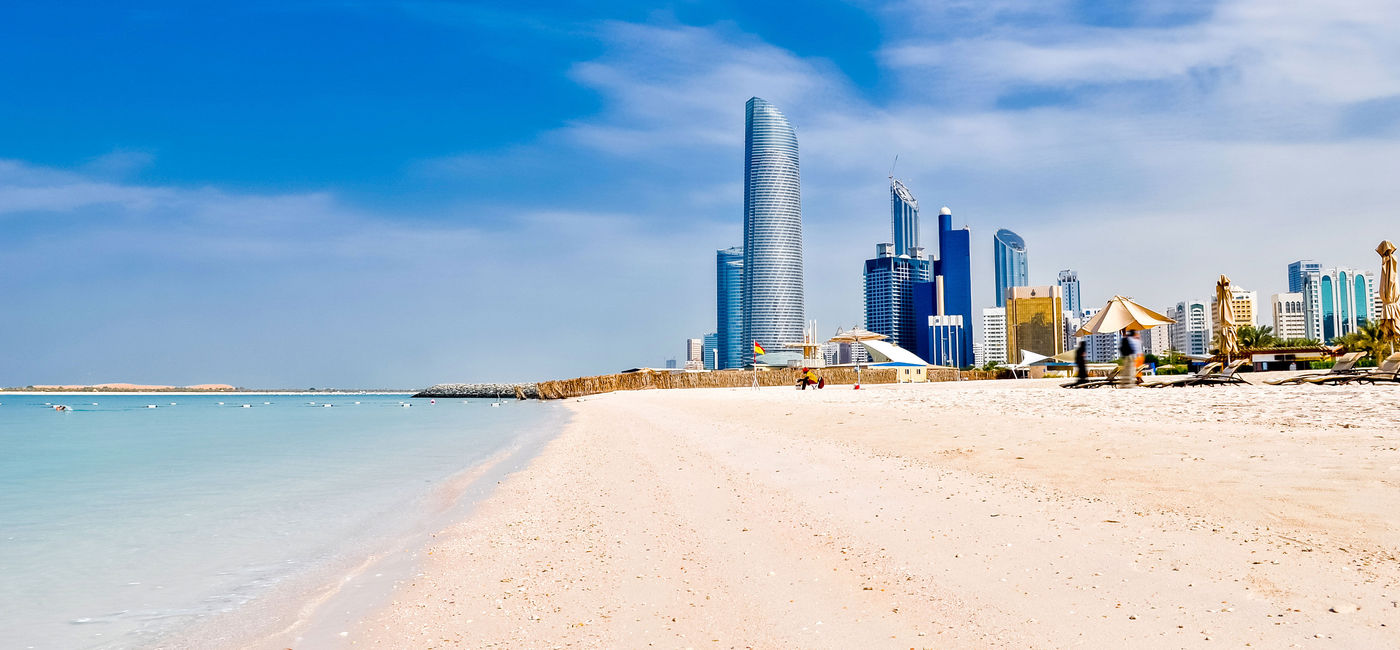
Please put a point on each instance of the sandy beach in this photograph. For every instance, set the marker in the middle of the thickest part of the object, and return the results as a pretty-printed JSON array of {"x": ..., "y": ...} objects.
[{"x": 963, "y": 515}]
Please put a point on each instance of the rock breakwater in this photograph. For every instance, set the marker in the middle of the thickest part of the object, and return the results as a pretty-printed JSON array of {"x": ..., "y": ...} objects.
[{"x": 518, "y": 391}]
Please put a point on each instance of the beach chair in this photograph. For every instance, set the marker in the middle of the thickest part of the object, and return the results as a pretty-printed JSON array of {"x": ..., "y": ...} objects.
[
  {"x": 1345, "y": 365},
  {"x": 1230, "y": 375},
  {"x": 1388, "y": 371},
  {"x": 1096, "y": 382},
  {"x": 1208, "y": 369}
]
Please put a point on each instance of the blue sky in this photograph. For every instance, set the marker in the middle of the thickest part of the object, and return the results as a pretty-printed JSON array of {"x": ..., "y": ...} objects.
[{"x": 395, "y": 194}]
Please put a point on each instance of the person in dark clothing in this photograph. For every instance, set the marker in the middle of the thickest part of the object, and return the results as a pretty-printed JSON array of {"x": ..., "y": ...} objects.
[{"x": 1081, "y": 361}]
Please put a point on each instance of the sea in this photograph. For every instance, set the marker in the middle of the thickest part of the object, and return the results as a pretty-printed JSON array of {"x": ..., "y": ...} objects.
[{"x": 166, "y": 520}]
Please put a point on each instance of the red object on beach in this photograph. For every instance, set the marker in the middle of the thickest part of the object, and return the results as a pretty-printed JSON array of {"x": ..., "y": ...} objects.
[{"x": 857, "y": 387}]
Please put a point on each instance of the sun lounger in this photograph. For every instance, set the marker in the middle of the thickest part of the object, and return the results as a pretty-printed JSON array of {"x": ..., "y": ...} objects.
[
  {"x": 1208, "y": 369},
  {"x": 1230, "y": 375},
  {"x": 1096, "y": 382},
  {"x": 1345, "y": 366},
  {"x": 1388, "y": 371}
]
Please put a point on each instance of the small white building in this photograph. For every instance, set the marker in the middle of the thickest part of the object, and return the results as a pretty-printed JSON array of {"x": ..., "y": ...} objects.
[
  {"x": 1290, "y": 315},
  {"x": 994, "y": 335}
]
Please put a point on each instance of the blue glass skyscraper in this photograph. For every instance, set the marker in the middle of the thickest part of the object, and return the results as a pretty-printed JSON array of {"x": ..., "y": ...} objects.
[
  {"x": 729, "y": 309},
  {"x": 904, "y": 219},
  {"x": 773, "y": 299},
  {"x": 1009, "y": 256},
  {"x": 1298, "y": 274},
  {"x": 949, "y": 294}
]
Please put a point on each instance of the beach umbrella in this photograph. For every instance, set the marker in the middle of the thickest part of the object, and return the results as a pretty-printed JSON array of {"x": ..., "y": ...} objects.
[
  {"x": 1389, "y": 294},
  {"x": 1224, "y": 297},
  {"x": 854, "y": 336},
  {"x": 1121, "y": 313}
]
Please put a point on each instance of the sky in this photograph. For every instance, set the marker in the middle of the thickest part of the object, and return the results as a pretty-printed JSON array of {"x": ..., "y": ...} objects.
[{"x": 395, "y": 194}]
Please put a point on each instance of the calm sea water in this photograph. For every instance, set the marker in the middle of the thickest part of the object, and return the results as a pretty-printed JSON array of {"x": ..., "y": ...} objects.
[{"x": 120, "y": 523}]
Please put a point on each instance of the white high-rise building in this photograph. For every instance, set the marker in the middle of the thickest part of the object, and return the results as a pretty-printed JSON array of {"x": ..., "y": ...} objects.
[
  {"x": 1156, "y": 340},
  {"x": 994, "y": 335},
  {"x": 1339, "y": 302},
  {"x": 1290, "y": 318},
  {"x": 695, "y": 350},
  {"x": 1102, "y": 347},
  {"x": 1191, "y": 332}
]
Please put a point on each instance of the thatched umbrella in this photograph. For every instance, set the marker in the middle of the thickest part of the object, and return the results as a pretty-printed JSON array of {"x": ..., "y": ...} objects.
[
  {"x": 854, "y": 336},
  {"x": 1224, "y": 297},
  {"x": 1389, "y": 294},
  {"x": 1122, "y": 314}
]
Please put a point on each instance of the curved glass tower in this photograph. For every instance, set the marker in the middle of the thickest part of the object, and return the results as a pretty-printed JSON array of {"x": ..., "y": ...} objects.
[
  {"x": 772, "y": 276},
  {"x": 1009, "y": 253}
]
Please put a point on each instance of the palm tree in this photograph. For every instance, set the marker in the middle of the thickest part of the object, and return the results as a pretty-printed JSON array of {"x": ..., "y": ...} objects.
[
  {"x": 1254, "y": 338},
  {"x": 1368, "y": 339},
  {"x": 1297, "y": 343}
]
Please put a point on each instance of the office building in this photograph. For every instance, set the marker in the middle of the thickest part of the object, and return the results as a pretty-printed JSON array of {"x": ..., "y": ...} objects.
[
  {"x": 1244, "y": 306},
  {"x": 978, "y": 359},
  {"x": 904, "y": 219},
  {"x": 1156, "y": 340},
  {"x": 949, "y": 293},
  {"x": 1069, "y": 288},
  {"x": 1191, "y": 332},
  {"x": 889, "y": 294},
  {"x": 946, "y": 338},
  {"x": 1034, "y": 321},
  {"x": 710, "y": 355},
  {"x": 773, "y": 298},
  {"x": 1298, "y": 274},
  {"x": 695, "y": 350},
  {"x": 1312, "y": 306},
  {"x": 1009, "y": 256},
  {"x": 1290, "y": 321},
  {"x": 729, "y": 310},
  {"x": 1346, "y": 300},
  {"x": 993, "y": 335}
]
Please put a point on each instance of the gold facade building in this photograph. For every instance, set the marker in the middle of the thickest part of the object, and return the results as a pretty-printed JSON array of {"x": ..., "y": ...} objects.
[{"x": 1034, "y": 321}]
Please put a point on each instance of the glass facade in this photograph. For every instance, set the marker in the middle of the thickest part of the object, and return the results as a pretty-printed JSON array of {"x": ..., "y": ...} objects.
[
  {"x": 773, "y": 298},
  {"x": 729, "y": 310},
  {"x": 1329, "y": 314},
  {"x": 1298, "y": 274},
  {"x": 1009, "y": 255},
  {"x": 1362, "y": 304},
  {"x": 904, "y": 219},
  {"x": 889, "y": 297}
]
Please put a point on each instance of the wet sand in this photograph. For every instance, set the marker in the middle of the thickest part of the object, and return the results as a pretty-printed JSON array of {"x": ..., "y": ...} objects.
[{"x": 974, "y": 514}]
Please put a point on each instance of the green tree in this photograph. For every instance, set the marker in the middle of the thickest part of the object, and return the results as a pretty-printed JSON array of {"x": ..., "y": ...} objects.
[
  {"x": 1366, "y": 339},
  {"x": 1298, "y": 343},
  {"x": 1254, "y": 338}
]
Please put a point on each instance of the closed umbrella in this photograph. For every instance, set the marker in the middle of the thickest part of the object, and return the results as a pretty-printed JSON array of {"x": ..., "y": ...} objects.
[
  {"x": 854, "y": 336},
  {"x": 1121, "y": 313},
  {"x": 1389, "y": 294},
  {"x": 1224, "y": 297}
]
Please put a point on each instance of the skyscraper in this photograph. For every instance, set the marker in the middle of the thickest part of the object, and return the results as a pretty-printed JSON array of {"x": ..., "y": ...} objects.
[
  {"x": 994, "y": 335},
  {"x": 1009, "y": 255},
  {"x": 1298, "y": 274},
  {"x": 904, "y": 219},
  {"x": 889, "y": 295},
  {"x": 1069, "y": 288},
  {"x": 1191, "y": 333},
  {"x": 729, "y": 309},
  {"x": 711, "y": 350},
  {"x": 773, "y": 299}
]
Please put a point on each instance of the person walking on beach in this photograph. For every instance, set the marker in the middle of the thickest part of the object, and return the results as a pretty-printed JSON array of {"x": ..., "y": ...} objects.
[
  {"x": 1131, "y": 348},
  {"x": 1081, "y": 361}
]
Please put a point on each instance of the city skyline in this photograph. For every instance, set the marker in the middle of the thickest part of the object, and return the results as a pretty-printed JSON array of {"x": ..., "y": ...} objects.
[{"x": 300, "y": 220}]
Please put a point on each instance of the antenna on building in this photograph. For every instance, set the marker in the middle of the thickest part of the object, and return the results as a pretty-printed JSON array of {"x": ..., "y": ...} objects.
[{"x": 896, "y": 162}]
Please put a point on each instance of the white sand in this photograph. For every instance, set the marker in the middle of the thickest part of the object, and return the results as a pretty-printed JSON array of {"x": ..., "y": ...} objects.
[{"x": 1007, "y": 513}]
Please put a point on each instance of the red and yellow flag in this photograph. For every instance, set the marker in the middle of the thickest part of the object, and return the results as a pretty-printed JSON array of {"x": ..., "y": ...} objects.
[{"x": 758, "y": 349}]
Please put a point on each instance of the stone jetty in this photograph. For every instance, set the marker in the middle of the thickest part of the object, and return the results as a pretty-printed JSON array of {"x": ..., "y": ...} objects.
[{"x": 518, "y": 391}]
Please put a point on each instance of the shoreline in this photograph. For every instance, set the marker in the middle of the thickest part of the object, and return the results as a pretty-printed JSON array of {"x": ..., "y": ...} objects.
[
  {"x": 312, "y": 607},
  {"x": 935, "y": 514}
]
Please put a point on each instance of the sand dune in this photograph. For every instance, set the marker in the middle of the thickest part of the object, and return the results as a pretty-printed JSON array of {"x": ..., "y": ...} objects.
[{"x": 980, "y": 514}]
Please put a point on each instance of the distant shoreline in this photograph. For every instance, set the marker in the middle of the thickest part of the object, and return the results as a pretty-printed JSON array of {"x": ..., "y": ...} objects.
[{"x": 184, "y": 391}]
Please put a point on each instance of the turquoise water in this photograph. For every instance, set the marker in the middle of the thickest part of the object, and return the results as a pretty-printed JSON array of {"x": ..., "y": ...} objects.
[{"x": 120, "y": 523}]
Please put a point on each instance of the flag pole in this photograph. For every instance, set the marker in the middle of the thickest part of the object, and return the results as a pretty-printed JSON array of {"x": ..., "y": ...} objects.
[{"x": 755, "y": 364}]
